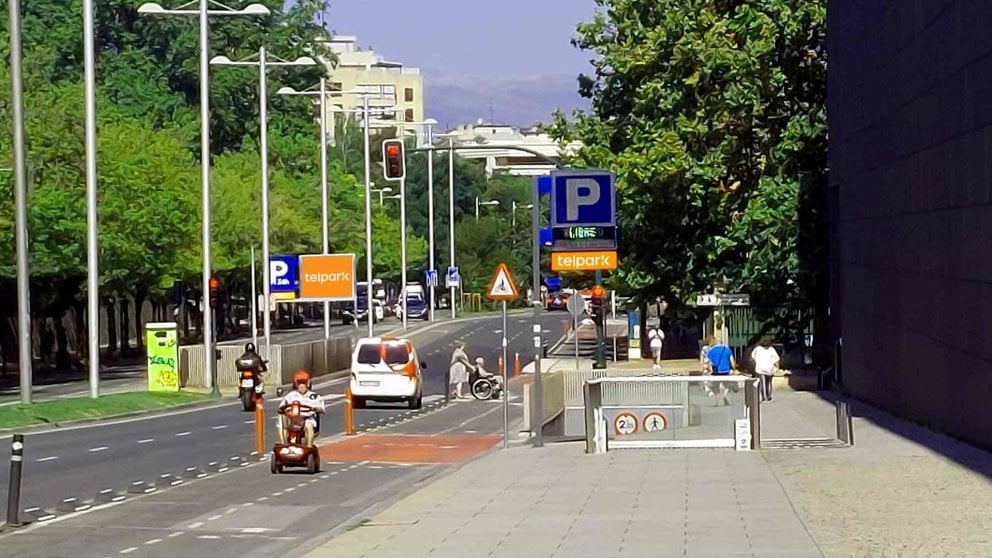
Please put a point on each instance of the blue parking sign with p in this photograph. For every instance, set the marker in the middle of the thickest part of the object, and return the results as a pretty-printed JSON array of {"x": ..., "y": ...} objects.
[
  {"x": 585, "y": 198},
  {"x": 283, "y": 274}
]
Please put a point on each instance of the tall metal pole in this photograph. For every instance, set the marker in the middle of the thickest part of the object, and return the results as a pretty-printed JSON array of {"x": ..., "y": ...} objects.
[
  {"x": 368, "y": 216},
  {"x": 209, "y": 364},
  {"x": 506, "y": 388},
  {"x": 20, "y": 196},
  {"x": 535, "y": 228},
  {"x": 263, "y": 125},
  {"x": 254, "y": 303},
  {"x": 323, "y": 196},
  {"x": 430, "y": 215},
  {"x": 476, "y": 208},
  {"x": 403, "y": 249},
  {"x": 451, "y": 216},
  {"x": 92, "y": 246}
]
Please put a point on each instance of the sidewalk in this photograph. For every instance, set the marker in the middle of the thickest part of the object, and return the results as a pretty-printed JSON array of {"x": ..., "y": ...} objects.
[{"x": 901, "y": 491}]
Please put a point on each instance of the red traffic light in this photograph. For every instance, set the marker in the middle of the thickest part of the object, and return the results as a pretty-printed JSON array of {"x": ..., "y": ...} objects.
[
  {"x": 214, "y": 283},
  {"x": 394, "y": 163}
]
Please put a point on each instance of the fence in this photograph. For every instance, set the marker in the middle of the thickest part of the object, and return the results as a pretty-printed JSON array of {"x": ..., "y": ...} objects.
[
  {"x": 284, "y": 360},
  {"x": 687, "y": 411},
  {"x": 637, "y": 394}
]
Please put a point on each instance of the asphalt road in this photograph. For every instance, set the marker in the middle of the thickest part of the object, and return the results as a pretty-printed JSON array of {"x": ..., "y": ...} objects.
[{"x": 78, "y": 462}]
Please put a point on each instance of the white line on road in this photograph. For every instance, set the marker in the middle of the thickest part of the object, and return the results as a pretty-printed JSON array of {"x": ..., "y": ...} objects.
[
  {"x": 196, "y": 525},
  {"x": 183, "y": 433},
  {"x": 176, "y": 534},
  {"x": 101, "y": 448},
  {"x": 129, "y": 550},
  {"x": 49, "y": 458},
  {"x": 214, "y": 517},
  {"x": 153, "y": 541},
  {"x": 250, "y": 421},
  {"x": 218, "y": 427},
  {"x": 146, "y": 440},
  {"x": 208, "y": 537},
  {"x": 277, "y": 493},
  {"x": 262, "y": 499}
]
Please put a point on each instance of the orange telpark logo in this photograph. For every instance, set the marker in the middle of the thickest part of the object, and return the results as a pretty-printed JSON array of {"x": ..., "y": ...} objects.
[
  {"x": 327, "y": 277},
  {"x": 604, "y": 260}
]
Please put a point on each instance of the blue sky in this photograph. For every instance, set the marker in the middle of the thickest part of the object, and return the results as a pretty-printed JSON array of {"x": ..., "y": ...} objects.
[{"x": 512, "y": 54}]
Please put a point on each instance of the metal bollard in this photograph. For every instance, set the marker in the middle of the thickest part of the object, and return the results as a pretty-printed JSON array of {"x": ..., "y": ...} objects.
[
  {"x": 349, "y": 417},
  {"x": 516, "y": 365},
  {"x": 14, "y": 489},
  {"x": 259, "y": 425}
]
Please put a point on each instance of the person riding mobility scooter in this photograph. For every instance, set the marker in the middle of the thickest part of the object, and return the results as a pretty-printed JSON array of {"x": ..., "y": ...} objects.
[{"x": 299, "y": 422}]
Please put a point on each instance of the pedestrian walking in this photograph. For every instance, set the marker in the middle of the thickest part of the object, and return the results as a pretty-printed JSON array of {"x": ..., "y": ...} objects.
[
  {"x": 459, "y": 367},
  {"x": 721, "y": 358},
  {"x": 766, "y": 361},
  {"x": 656, "y": 340}
]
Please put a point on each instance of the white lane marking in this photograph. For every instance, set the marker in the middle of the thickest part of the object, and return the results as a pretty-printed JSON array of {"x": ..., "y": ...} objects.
[
  {"x": 301, "y": 485},
  {"x": 232, "y": 510},
  {"x": 255, "y": 530},
  {"x": 183, "y": 433},
  {"x": 196, "y": 525},
  {"x": 262, "y": 499},
  {"x": 208, "y": 537},
  {"x": 214, "y": 517},
  {"x": 101, "y": 448},
  {"x": 176, "y": 534},
  {"x": 250, "y": 421},
  {"x": 153, "y": 541},
  {"x": 146, "y": 440},
  {"x": 280, "y": 493},
  {"x": 290, "y": 489},
  {"x": 218, "y": 427},
  {"x": 49, "y": 458},
  {"x": 129, "y": 550},
  {"x": 246, "y": 504}
]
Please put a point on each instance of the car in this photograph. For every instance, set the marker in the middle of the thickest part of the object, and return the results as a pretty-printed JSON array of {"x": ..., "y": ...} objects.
[
  {"x": 417, "y": 308},
  {"x": 386, "y": 370},
  {"x": 349, "y": 315},
  {"x": 556, "y": 301}
]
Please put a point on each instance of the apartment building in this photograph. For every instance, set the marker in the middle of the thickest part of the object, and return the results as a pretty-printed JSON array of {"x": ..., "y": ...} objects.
[{"x": 396, "y": 92}]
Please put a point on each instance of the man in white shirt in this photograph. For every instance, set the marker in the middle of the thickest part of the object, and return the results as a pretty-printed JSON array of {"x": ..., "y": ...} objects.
[
  {"x": 656, "y": 340},
  {"x": 766, "y": 362}
]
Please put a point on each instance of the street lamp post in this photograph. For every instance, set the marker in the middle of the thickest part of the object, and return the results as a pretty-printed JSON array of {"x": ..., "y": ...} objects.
[
  {"x": 451, "y": 217},
  {"x": 263, "y": 115},
  {"x": 20, "y": 200},
  {"x": 203, "y": 11},
  {"x": 513, "y": 213},
  {"x": 480, "y": 203},
  {"x": 381, "y": 191}
]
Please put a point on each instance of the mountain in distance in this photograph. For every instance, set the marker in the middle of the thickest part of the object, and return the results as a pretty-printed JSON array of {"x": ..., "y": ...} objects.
[{"x": 453, "y": 101}]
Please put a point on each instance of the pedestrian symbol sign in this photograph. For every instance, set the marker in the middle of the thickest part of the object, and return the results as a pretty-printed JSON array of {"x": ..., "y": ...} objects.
[
  {"x": 502, "y": 286},
  {"x": 625, "y": 423},
  {"x": 654, "y": 422}
]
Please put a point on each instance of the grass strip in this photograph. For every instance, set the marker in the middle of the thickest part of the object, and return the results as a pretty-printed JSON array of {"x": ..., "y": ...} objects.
[{"x": 82, "y": 408}]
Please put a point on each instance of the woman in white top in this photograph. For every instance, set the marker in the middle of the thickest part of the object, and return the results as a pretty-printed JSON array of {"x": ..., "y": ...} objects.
[
  {"x": 459, "y": 367},
  {"x": 766, "y": 362},
  {"x": 656, "y": 340}
]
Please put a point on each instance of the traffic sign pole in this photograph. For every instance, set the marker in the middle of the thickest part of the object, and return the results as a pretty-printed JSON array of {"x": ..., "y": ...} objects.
[
  {"x": 506, "y": 389},
  {"x": 600, "y": 356},
  {"x": 535, "y": 213}
]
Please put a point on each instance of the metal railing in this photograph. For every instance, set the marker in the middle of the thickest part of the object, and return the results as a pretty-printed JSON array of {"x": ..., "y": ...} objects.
[
  {"x": 671, "y": 412},
  {"x": 284, "y": 360}
]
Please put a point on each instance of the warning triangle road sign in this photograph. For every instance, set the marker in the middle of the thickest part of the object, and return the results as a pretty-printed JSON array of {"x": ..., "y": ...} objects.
[{"x": 502, "y": 286}]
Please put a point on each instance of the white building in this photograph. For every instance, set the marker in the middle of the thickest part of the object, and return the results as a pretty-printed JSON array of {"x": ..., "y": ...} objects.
[{"x": 497, "y": 140}]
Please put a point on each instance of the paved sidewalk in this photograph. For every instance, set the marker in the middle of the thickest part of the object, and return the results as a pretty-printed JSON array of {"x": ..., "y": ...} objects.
[{"x": 559, "y": 502}]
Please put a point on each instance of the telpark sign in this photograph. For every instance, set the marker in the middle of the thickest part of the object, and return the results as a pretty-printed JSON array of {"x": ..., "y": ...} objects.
[
  {"x": 329, "y": 277},
  {"x": 605, "y": 260}
]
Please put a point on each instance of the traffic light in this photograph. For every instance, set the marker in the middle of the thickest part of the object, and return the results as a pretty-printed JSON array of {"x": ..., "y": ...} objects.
[
  {"x": 214, "y": 288},
  {"x": 394, "y": 160},
  {"x": 596, "y": 311}
]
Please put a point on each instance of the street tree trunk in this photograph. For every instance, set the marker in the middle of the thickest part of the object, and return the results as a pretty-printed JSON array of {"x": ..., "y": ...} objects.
[{"x": 111, "y": 308}]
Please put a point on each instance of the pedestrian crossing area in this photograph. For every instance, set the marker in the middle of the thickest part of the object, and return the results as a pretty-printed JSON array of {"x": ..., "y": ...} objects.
[{"x": 802, "y": 443}]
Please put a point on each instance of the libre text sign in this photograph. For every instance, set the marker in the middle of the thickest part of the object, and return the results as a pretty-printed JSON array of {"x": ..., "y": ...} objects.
[
  {"x": 602, "y": 260},
  {"x": 329, "y": 277}
]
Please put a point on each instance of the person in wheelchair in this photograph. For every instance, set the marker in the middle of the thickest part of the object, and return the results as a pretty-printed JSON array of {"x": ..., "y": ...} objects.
[
  {"x": 313, "y": 407},
  {"x": 481, "y": 372}
]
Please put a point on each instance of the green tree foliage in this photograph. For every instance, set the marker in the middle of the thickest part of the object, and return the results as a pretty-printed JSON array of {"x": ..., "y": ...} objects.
[{"x": 712, "y": 113}]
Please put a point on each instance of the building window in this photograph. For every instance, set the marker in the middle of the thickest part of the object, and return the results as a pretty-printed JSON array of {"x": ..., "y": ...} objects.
[
  {"x": 409, "y": 115},
  {"x": 408, "y": 94}
]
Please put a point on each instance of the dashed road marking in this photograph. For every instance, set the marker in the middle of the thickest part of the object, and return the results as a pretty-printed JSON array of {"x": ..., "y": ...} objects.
[
  {"x": 153, "y": 541},
  {"x": 218, "y": 427},
  {"x": 262, "y": 499},
  {"x": 49, "y": 458},
  {"x": 208, "y": 537},
  {"x": 196, "y": 525},
  {"x": 176, "y": 534},
  {"x": 183, "y": 433},
  {"x": 101, "y": 448},
  {"x": 129, "y": 550},
  {"x": 214, "y": 517},
  {"x": 146, "y": 441}
]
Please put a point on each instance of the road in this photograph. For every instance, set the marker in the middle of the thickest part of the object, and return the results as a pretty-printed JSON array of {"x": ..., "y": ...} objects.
[{"x": 81, "y": 461}]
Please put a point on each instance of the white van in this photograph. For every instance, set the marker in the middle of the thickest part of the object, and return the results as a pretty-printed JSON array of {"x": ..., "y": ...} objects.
[{"x": 386, "y": 369}]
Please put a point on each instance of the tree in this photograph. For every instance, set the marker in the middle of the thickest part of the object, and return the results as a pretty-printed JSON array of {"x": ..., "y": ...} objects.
[{"x": 712, "y": 114}]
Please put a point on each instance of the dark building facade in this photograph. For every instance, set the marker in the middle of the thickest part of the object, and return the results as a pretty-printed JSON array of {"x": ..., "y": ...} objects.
[{"x": 910, "y": 114}]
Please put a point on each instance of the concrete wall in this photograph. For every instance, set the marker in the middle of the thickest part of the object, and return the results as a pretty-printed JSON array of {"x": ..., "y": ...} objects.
[{"x": 910, "y": 109}]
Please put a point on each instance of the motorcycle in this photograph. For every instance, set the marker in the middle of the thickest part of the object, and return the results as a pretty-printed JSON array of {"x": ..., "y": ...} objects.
[
  {"x": 250, "y": 386},
  {"x": 485, "y": 387},
  {"x": 295, "y": 452}
]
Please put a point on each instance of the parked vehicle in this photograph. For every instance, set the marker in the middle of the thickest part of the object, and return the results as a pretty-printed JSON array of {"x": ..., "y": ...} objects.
[{"x": 350, "y": 315}]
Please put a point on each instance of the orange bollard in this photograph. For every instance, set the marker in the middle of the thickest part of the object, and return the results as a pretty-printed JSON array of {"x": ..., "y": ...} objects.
[
  {"x": 259, "y": 425},
  {"x": 516, "y": 364},
  {"x": 349, "y": 417},
  {"x": 499, "y": 366}
]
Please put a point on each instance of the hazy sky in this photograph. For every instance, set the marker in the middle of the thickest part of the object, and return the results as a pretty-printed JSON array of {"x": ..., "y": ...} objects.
[
  {"x": 514, "y": 38},
  {"x": 476, "y": 44}
]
